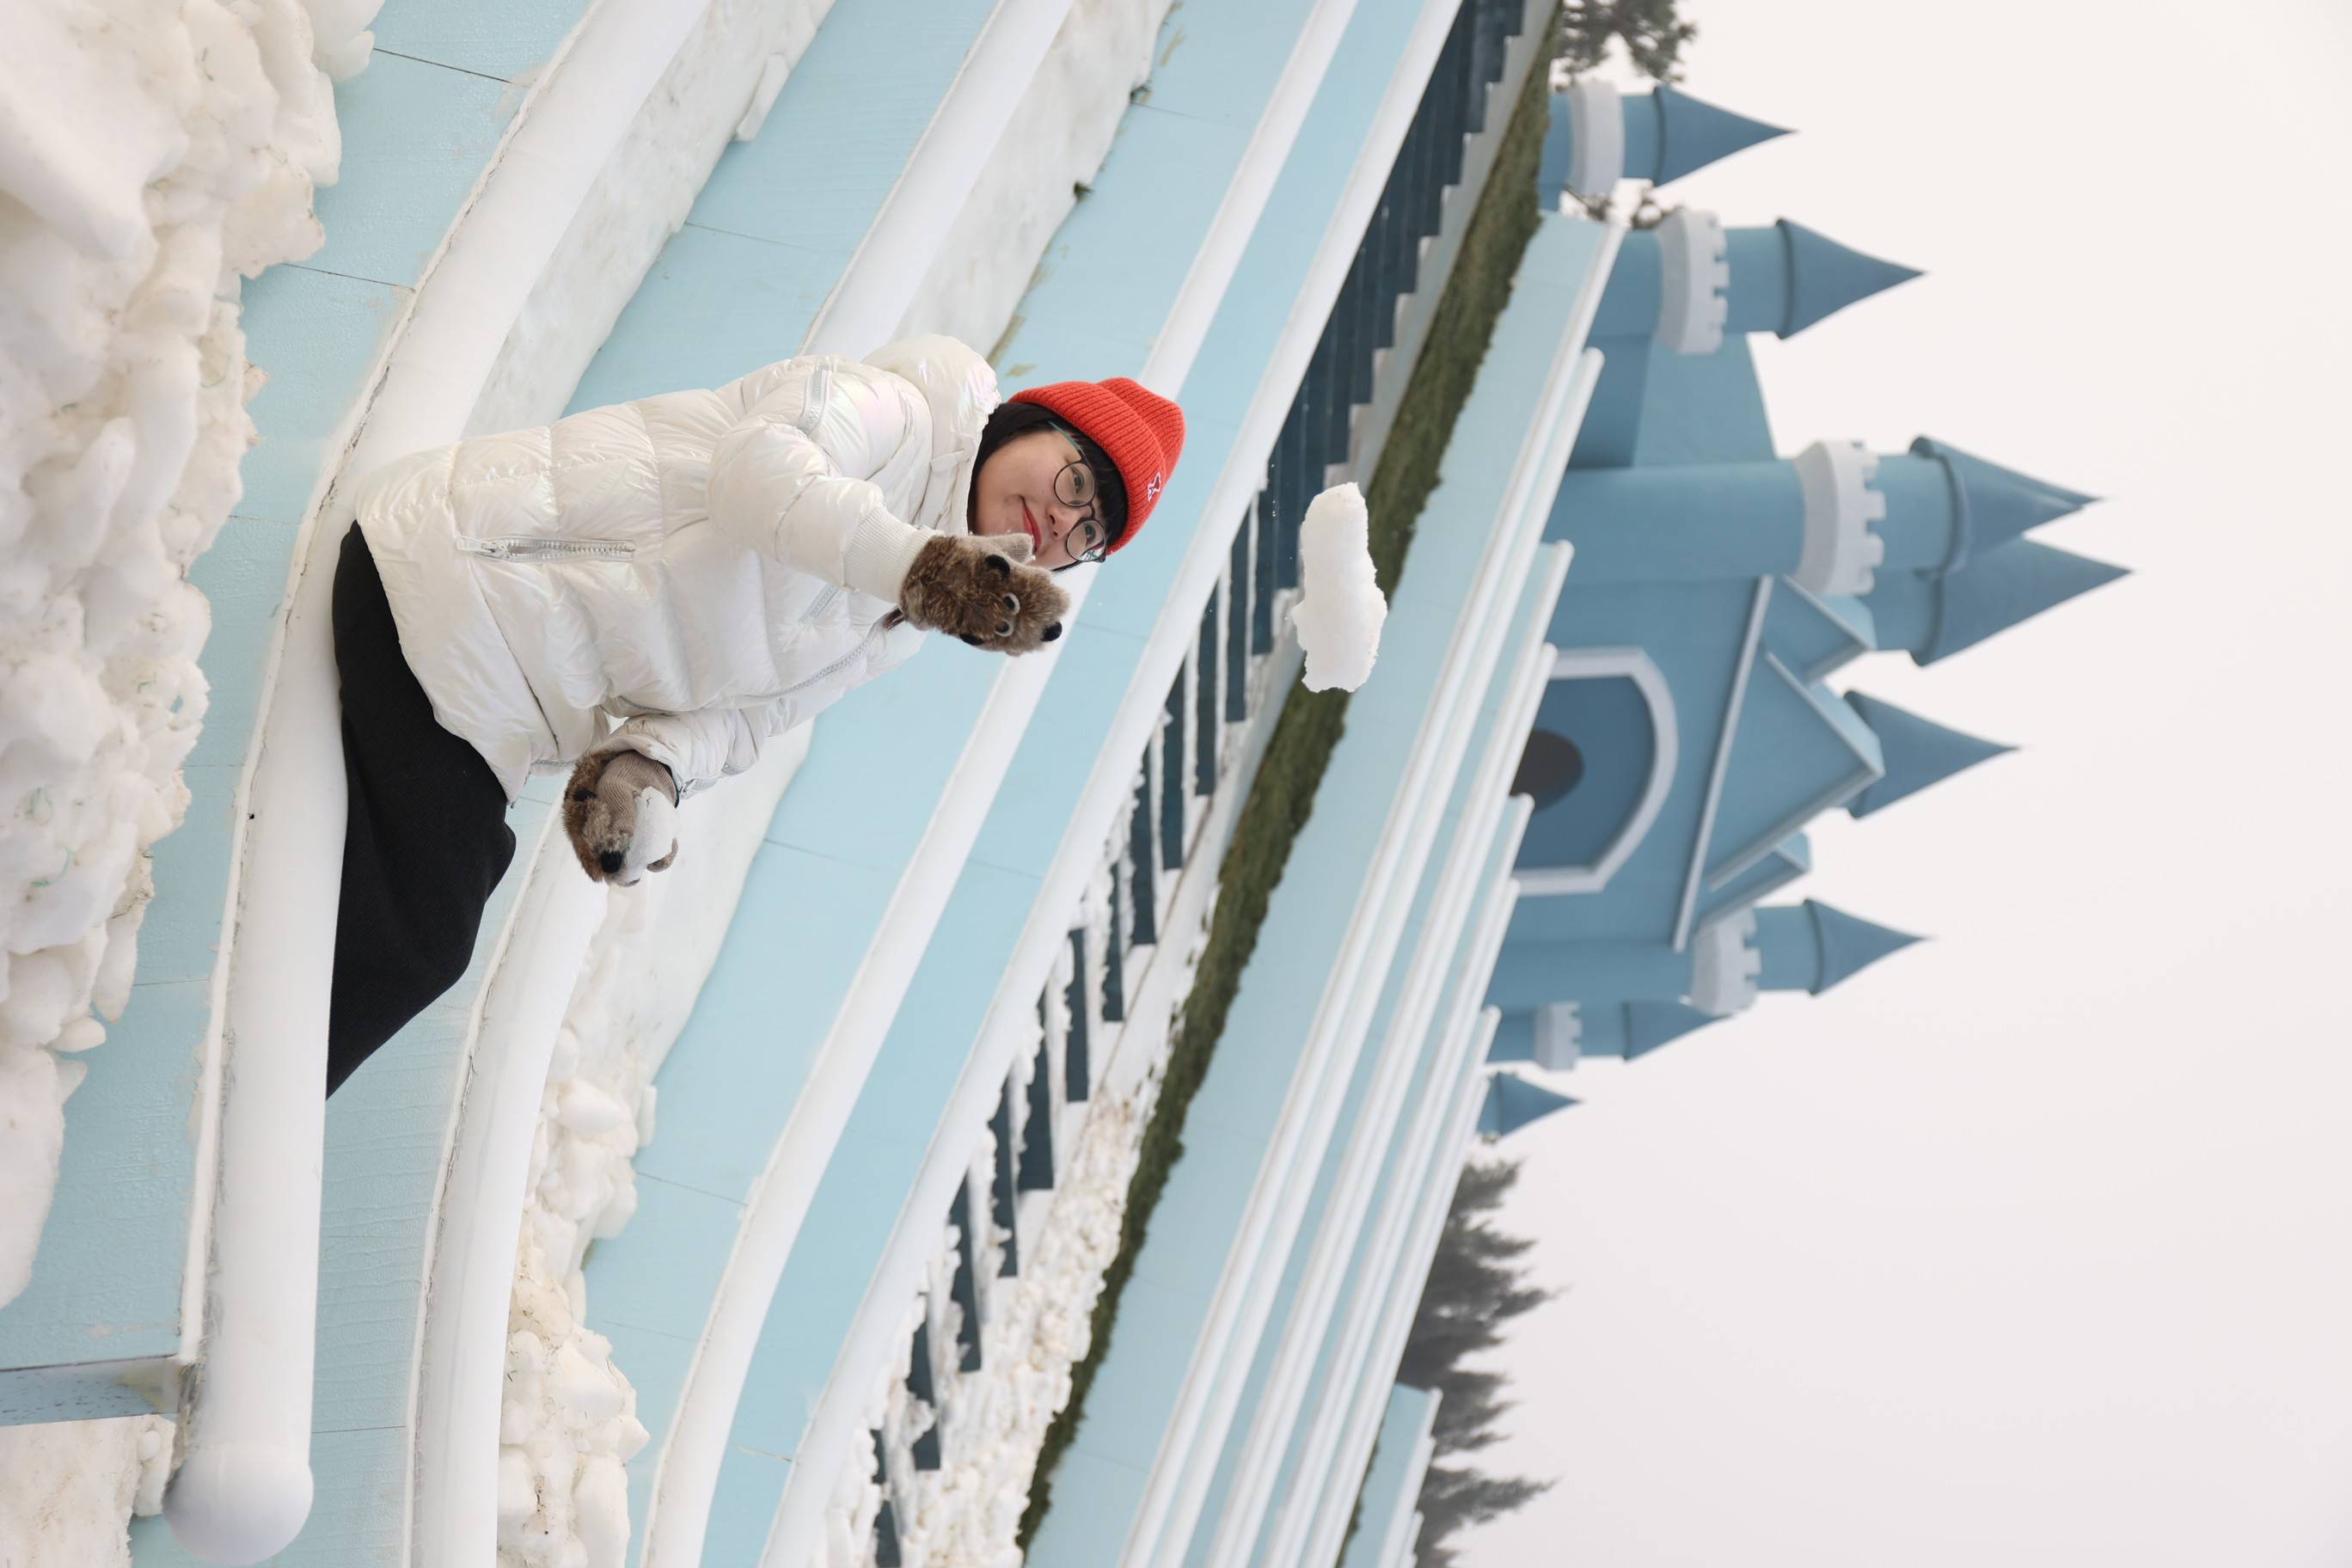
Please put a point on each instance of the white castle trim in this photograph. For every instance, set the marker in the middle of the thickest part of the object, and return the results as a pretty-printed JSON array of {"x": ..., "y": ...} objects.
[
  {"x": 1841, "y": 556},
  {"x": 1693, "y": 275},
  {"x": 1596, "y": 118}
]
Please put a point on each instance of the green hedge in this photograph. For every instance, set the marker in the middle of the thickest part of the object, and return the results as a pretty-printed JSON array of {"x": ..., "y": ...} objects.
[{"x": 1283, "y": 794}]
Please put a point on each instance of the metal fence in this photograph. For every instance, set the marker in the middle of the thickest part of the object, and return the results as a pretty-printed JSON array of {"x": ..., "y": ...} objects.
[{"x": 1210, "y": 708}]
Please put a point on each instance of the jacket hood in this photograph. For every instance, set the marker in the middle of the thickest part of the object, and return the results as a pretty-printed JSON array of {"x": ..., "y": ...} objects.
[{"x": 961, "y": 388}]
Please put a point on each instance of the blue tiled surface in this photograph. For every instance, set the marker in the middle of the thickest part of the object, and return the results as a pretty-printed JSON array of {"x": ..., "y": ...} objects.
[
  {"x": 1283, "y": 984},
  {"x": 730, "y": 1081},
  {"x": 1381, "y": 1043},
  {"x": 415, "y": 138},
  {"x": 502, "y": 40}
]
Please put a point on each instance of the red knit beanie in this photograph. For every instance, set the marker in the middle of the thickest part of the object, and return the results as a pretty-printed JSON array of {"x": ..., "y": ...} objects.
[{"x": 1141, "y": 432}]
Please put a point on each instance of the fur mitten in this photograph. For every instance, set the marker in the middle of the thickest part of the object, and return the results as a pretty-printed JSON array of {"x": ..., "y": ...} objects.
[
  {"x": 617, "y": 812},
  {"x": 983, "y": 591}
]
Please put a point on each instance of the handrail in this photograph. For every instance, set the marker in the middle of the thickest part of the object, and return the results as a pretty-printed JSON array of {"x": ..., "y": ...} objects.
[
  {"x": 833, "y": 1427},
  {"x": 502, "y": 245},
  {"x": 1454, "y": 888},
  {"x": 242, "y": 1491}
]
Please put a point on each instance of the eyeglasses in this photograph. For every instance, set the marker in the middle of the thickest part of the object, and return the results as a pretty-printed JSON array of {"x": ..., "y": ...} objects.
[{"x": 1087, "y": 541}]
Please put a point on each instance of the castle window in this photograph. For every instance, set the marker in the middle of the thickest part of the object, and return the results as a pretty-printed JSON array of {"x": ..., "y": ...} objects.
[{"x": 1550, "y": 768}]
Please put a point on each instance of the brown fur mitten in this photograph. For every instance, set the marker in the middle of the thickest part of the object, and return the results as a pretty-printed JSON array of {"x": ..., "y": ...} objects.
[
  {"x": 602, "y": 813},
  {"x": 982, "y": 591}
]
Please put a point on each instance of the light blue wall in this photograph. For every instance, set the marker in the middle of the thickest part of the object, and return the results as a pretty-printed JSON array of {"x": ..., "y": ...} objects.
[
  {"x": 1229, "y": 1126},
  {"x": 1383, "y": 1043}
]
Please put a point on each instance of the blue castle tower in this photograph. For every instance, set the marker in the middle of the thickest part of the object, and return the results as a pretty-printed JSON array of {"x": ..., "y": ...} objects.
[{"x": 1689, "y": 732}]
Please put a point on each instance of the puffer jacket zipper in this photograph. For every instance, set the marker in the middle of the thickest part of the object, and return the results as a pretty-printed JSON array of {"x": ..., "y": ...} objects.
[
  {"x": 528, "y": 549},
  {"x": 836, "y": 666}
]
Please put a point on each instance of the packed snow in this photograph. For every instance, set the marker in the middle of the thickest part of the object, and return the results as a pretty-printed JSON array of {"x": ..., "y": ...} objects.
[
  {"x": 73, "y": 1487},
  {"x": 1340, "y": 609},
  {"x": 991, "y": 1423},
  {"x": 152, "y": 151},
  {"x": 568, "y": 1426}
]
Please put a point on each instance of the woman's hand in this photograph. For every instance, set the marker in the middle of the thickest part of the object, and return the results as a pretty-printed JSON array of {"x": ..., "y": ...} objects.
[
  {"x": 618, "y": 813},
  {"x": 983, "y": 591}
]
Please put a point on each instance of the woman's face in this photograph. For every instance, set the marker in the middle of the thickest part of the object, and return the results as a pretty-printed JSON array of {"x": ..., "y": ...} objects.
[{"x": 1014, "y": 493}]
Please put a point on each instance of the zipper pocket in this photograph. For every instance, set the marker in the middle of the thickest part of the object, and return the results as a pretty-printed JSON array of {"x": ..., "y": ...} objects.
[{"x": 526, "y": 549}]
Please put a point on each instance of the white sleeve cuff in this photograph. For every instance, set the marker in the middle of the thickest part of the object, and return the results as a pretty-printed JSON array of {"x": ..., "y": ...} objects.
[{"x": 882, "y": 550}]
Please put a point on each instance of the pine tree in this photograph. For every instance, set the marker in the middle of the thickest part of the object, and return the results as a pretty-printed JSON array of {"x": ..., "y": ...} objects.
[
  {"x": 1653, "y": 33},
  {"x": 1477, "y": 1283}
]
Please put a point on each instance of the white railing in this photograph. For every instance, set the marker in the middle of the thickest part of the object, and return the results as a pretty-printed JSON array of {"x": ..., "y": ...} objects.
[{"x": 242, "y": 1490}]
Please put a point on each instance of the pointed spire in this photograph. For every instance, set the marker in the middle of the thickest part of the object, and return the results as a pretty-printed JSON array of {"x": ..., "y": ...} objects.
[
  {"x": 1917, "y": 751},
  {"x": 1998, "y": 504},
  {"x": 1692, "y": 133},
  {"x": 1998, "y": 590},
  {"x": 1826, "y": 277},
  {"x": 1849, "y": 945},
  {"x": 1512, "y": 1102},
  {"x": 1649, "y": 1024}
]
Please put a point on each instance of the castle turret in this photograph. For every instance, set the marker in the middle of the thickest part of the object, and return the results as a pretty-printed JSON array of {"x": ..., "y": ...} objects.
[
  {"x": 1689, "y": 281},
  {"x": 1811, "y": 517},
  {"x": 1946, "y": 507},
  {"x": 1786, "y": 278},
  {"x": 1917, "y": 752},
  {"x": 1512, "y": 1102},
  {"x": 1812, "y": 947},
  {"x": 1599, "y": 136},
  {"x": 1934, "y": 616},
  {"x": 1829, "y": 518}
]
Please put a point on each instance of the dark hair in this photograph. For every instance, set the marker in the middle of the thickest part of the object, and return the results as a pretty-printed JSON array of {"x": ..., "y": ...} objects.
[{"x": 1016, "y": 420}]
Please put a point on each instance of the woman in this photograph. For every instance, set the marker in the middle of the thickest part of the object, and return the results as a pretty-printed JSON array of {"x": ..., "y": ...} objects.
[{"x": 711, "y": 569}]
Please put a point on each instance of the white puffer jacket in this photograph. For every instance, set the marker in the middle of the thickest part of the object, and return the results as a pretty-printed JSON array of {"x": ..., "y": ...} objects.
[{"x": 710, "y": 567}]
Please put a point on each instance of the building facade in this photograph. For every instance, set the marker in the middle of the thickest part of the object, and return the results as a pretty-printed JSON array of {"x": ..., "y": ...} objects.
[{"x": 759, "y": 1215}]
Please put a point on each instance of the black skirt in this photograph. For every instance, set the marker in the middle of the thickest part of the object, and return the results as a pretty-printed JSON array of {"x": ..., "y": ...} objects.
[{"x": 428, "y": 839}]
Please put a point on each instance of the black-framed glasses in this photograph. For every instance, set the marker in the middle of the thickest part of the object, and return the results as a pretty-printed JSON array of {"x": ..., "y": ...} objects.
[{"x": 1087, "y": 539}]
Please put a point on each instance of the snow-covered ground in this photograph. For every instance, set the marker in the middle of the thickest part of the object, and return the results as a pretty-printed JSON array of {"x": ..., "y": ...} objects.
[{"x": 152, "y": 153}]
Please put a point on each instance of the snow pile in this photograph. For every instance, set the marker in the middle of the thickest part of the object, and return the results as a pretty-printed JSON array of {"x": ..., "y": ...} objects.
[
  {"x": 151, "y": 152},
  {"x": 73, "y": 1487},
  {"x": 1340, "y": 610},
  {"x": 991, "y": 1423},
  {"x": 569, "y": 1422}
]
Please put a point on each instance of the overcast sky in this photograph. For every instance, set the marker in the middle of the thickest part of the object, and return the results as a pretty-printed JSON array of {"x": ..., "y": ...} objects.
[{"x": 2034, "y": 1245}]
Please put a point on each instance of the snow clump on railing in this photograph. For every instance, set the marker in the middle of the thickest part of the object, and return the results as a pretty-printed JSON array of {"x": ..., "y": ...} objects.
[{"x": 1340, "y": 610}]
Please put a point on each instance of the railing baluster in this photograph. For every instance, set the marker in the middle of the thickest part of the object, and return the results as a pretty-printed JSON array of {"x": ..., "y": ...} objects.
[
  {"x": 1037, "y": 1132},
  {"x": 886, "y": 1518},
  {"x": 1142, "y": 854},
  {"x": 1241, "y": 574},
  {"x": 1002, "y": 1203},
  {"x": 1174, "y": 780},
  {"x": 1077, "y": 1081},
  {"x": 966, "y": 1288},
  {"x": 1209, "y": 690},
  {"x": 1114, "y": 991}
]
